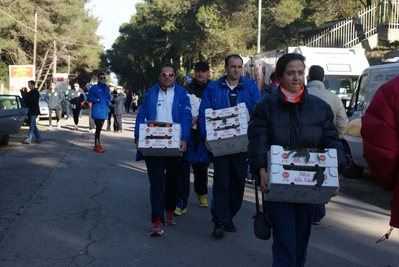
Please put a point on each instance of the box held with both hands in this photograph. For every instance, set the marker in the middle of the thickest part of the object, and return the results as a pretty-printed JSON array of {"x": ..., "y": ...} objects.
[
  {"x": 291, "y": 175},
  {"x": 160, "y": 139},
  {"x": 226, "y": 130}
]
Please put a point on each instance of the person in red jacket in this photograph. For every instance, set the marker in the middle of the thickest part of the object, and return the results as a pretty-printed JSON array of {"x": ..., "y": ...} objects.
[{"x": 381, "y": 147}]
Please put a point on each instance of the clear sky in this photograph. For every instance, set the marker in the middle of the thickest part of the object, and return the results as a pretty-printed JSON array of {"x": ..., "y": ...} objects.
[{"x": 111, "y": 14}]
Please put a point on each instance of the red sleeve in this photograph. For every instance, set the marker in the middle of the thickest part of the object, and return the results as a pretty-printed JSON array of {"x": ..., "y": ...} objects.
[{"x": 380, "y": 134}]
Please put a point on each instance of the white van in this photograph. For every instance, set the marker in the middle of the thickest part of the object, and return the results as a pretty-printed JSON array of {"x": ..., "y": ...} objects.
[
  {"x": 342, "y": 66},
  {"x": 369, "y": 81}
]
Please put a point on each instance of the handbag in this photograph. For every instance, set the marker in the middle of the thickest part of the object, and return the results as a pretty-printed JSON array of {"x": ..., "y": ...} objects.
[{"x": 262, "y": 223}]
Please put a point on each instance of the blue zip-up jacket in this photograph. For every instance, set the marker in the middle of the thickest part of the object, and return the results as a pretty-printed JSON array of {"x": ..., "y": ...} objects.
[
  {"x": 100, "y": 98},
  {"x": 181, "y": 112},
  {"x": 216, "y": 96}
]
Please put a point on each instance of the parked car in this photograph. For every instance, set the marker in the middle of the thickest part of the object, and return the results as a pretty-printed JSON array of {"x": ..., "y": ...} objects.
[
  {"x": 13, "y": 111},
  {"x": 369, "y": 82}
]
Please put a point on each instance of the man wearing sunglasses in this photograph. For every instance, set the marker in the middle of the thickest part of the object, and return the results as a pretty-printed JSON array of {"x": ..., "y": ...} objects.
[
  {"x": 229, "y": 170},
  {"x": 165, "y": 101},
  {"x": 100, "y": 98}
]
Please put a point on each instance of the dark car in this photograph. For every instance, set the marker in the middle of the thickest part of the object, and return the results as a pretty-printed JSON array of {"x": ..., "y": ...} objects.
[{"x": 13, "y": 112}]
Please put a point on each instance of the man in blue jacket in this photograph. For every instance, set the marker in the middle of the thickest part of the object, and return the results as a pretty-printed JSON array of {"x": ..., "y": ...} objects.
[
  {"x": 166, "y": 101},
  {"x": 229, "y": 170}
]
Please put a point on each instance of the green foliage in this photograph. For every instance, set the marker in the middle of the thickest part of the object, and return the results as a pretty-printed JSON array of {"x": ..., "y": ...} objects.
[
  {"x": 64, "y": 27},
  {"x": 180, "y": 74},
  {"x": 179, "y": 31}
]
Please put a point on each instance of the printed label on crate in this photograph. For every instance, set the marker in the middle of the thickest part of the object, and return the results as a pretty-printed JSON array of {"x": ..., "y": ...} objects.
[
  {"x": 211, "y": 114},
  {"x": 229, "y": 133},
  {"x": 278, "y": 174},
  {"x": 160, "y": 147},
  {"x": 173, "y": 130},
  {"x": 227, "y": 123},
  {"x": 299, "y": 185},
  {"x": 327, "y": 157}
]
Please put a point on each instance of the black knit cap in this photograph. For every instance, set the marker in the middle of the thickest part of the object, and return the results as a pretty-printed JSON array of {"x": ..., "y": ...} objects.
[{"x": 202, "y": 65}]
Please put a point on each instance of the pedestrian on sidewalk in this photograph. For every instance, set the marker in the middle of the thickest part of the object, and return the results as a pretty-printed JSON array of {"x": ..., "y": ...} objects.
[
  {"x": 119, "y": 102},
  {"x": 381, "y": 142},
  {"x": 166, "y": 101},
  {"x": 196, "y": 89},
  {"x": 229, "y": 170},
  {"x": 92, "y": 126},
  {"x": 135, "y": 101},
  {"x": 111, "y": 108},
  {"x": 76, "y": 96},
  {"x": 66, "y": 105},
  {"x": 316, "y": 87},
  {"x": 128, "y": 102},
  {"x": 293, "y": 119},
  {"x": 31, "y": 98},
  {"x": 272, "y": 87},
  {"x": 99, "y": 96},
  {"x": 54, "y": 101}
]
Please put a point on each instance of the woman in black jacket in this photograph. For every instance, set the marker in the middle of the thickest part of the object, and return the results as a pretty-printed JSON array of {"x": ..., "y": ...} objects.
[{"x": 293, "y": 119}]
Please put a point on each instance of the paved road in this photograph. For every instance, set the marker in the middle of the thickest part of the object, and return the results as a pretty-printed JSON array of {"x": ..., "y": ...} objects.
[{"x": 64, "y": 205}]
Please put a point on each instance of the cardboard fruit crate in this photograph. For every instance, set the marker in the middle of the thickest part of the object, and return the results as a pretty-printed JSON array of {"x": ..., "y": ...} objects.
[
  {"x": 291, "y": 179},
  {"x": 230, "y": 141},
  {"x": 227, "y": 123},
  {"x": 160, "y": 139}
]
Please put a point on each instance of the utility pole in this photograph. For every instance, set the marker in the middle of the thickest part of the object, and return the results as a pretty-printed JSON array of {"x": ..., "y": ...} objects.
[
  {"x": 34, "y": 43},
  {"x": 259, "y": 24},
  {"x": 69, "y": 64},
  {"x": 55, "y": 58}
]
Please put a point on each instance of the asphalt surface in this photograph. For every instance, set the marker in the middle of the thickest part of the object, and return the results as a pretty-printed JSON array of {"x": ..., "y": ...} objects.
[{"x": 61, "y": 204}]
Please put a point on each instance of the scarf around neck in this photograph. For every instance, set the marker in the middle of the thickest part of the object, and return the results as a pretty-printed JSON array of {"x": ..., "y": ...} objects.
[{"x": 290, "y": 96}]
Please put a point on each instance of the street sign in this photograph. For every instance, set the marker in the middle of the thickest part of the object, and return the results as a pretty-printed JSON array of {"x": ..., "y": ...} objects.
[{"x": 188, "y": 78}]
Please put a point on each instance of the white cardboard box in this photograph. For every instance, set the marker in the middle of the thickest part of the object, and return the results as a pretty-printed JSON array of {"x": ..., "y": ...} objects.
[
  {"x": 231, "y": 141},
  {"x": 225, "y": 112},
  {"x": 278, "y": 155},
  {"x": 173, "y": 130},
  {"x": 160, "y": 141},
  {"x": 237, "y": 120},
  {"x": 195, "y": 103},
  {"x": 291, "y": 179}
]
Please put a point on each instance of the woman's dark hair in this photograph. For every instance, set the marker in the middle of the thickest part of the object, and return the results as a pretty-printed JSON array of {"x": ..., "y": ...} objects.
[{"x": 284, "y": 60}]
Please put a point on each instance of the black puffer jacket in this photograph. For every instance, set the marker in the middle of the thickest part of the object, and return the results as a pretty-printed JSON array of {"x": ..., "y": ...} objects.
[{"x": 305, "y": 124}]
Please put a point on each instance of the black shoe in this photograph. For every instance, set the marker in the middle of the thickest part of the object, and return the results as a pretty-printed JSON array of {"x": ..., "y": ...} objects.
[
  {"x": 218, "y": 231},
  {"x": 230, "y": 228}
]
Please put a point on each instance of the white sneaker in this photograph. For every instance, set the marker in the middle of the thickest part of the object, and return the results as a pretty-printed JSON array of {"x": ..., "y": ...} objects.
[
  {"x": 58, "y": 125},
  {"x": 76, "y": 127},
  {"x": 50, "y": 127},
  {"x": 91, "y": 131}
]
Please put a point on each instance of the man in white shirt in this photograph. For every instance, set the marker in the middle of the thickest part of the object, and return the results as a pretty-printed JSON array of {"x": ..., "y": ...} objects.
[{"x": 168, "y": 102}]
